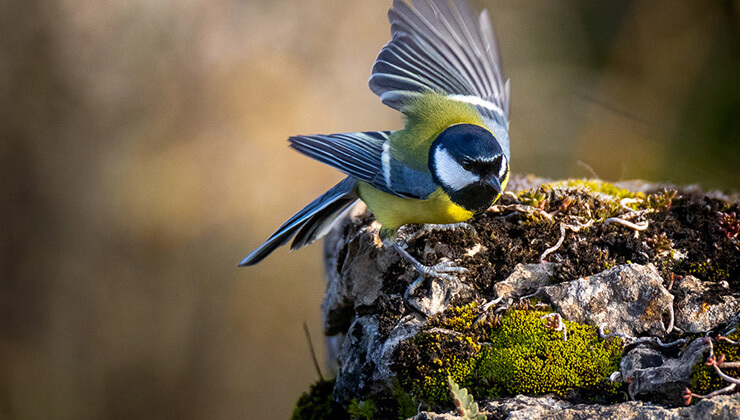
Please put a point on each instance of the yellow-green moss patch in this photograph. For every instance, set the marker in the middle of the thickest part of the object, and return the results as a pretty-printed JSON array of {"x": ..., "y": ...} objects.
[{"x": 513, "y": 354}]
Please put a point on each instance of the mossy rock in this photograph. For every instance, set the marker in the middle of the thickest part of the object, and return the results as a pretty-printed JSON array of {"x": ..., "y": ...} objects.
[
  {"x": 514, "y": 353},
  {"x": 318, "y": 404}
]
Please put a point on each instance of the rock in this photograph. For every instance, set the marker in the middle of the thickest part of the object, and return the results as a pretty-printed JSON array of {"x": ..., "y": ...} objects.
[
  {"x": 431, "y": 296},
  {"x": 354, "y": 271},
  {"x": 629, "y": 299},
  {"x": 654, "y": 377},
  {"x": 526, "y": 278},
  {"x": 366, "y": 356},
  {"x": 723, "y": 407},
  {"x": 424, "y": 415},
  {"x": 358, "y": 348},
  {"x": 524, "y": 407},
  {"x": 374, "y": 305},
  {"x": 702, "y": 306},
  {"x": 641, "y": 357}
]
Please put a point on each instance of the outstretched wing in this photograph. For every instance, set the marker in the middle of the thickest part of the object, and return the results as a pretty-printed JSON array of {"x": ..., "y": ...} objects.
[
  {"x": 440, "y": 45},
  {"x": 366, "y": 156},
  {"x": 311, "y": 223}
]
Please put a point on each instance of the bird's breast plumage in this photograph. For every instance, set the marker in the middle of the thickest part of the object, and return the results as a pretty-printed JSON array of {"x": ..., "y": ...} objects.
[{"x": 393, "y": 212}]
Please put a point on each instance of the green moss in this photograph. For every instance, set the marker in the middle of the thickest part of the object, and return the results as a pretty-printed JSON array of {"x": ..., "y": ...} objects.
[
  {"x": 405, "y": 405},
  {"x": 598, "y": 187},
  {"x": 534, "y": 198},
  {"x": 707, "y": 270},
  {"x": 526, "y": 357},
  {"x": 318, "y": 403},
  {"x": 513, "y": 354},
  {"x": 704, "y": 379},
  {"x": 361, "y": 410}
]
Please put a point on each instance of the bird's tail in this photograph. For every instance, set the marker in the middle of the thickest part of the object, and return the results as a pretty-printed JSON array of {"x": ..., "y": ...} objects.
[{"x": 311, "y": 223}]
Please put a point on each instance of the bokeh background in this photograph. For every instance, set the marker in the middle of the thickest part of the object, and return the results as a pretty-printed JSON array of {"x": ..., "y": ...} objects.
[{"x": 143, "y": 154}]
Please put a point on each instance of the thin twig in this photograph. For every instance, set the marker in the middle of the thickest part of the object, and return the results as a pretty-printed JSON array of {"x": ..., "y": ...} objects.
[
  {"x": 730, "y": 365},
  {"x": 713, "y": 362},
  {"x": 687, "y": 394},
  {"x": 727, "y": 340},
  {"x": 641, "y": 226},
  {"x": 672, "y": 320},
  {"x": 520, "y": 208},
  {"x": 563, "y": 227},
  {"x": 623, "y": 203},
  {"x": 555, "y": 247},
  {"x": 313, "y": 353},
  {"x": 494, "y": 302},
  {"x": 630, "y": 340}
]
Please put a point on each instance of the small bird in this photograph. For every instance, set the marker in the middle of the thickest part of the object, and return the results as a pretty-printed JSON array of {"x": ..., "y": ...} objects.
[{"x": 442, "y": 70}]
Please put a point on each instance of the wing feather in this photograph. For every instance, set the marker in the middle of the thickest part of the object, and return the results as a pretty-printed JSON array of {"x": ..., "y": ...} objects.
[
  {"x": 440, "y": 45},
  {"x": 366, "y": 156}
]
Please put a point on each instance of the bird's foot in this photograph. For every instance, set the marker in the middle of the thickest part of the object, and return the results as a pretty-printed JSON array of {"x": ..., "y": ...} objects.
[
  {"x": 443, "y": 270},
  {"x": 428, "y": 228},
  {"x": 431, "y": 296}
]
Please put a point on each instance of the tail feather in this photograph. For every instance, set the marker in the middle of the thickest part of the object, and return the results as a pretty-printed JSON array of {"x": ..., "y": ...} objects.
[{"x": 311, "y": 223}]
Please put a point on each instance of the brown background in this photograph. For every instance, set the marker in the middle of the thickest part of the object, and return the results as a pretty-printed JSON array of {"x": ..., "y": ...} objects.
[{"x": 144, "y": 154}]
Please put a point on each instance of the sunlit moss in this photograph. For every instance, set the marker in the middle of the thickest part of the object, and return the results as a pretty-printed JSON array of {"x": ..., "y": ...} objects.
[
  {"x": 526, "y": 357},
  {"x": 597, "y": 187},
  {"x": 519, "y": 354}
]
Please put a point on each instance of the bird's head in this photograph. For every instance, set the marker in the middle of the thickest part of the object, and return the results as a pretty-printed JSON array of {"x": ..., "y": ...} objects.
[{"x": 468, "y": 163}]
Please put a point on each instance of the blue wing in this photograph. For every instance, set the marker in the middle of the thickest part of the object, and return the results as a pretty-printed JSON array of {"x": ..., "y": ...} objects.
[
  {"x": 440, "y": 46},
  {"x": 309, "y": 224},
  {"x": 366, "y": 156}
]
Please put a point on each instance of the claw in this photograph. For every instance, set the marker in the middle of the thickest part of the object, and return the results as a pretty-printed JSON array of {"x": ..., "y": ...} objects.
[
  {"x": 439, "y": 270},
  {"x": 449, "y": 267}
]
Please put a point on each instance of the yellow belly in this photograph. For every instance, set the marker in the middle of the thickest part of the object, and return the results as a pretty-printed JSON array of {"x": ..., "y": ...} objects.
[{"x": 393, "y": 212}]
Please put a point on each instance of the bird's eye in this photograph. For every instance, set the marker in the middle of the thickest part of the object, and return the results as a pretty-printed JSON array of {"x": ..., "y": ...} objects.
[{"x": 468, "y": 165}]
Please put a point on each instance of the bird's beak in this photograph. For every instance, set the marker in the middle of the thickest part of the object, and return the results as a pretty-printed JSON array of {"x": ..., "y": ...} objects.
[{"x": 494, "y": 182}]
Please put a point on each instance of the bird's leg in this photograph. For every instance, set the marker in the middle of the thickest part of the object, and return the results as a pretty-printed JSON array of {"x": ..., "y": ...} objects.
[
  {"x": 442, "y": 270},
  {"x": 433, "y": 227}
]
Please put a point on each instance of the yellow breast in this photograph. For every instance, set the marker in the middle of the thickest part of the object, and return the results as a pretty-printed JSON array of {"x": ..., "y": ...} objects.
[{"x": 393, "y": 212}]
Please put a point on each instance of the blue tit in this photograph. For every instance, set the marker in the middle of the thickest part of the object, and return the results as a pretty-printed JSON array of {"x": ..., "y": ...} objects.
[{"x": 442, "y": 70}]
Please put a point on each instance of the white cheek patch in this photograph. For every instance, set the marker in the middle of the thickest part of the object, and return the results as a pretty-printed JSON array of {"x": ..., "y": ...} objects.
[
  {"x": 504, "y": 165},
  {"x": 450, "y": 172}
]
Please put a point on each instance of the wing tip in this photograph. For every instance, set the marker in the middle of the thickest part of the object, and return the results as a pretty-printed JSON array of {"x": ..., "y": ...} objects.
[{"x": 248, "y": 261}]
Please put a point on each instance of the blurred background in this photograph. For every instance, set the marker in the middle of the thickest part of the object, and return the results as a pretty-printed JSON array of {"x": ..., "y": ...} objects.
[{"x": 143, "y": 153}]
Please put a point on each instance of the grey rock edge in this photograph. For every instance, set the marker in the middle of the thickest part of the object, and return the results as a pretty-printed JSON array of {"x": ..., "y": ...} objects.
[
  {"x": 628, "y": 299},
  {"x": 724, "y": 407}
]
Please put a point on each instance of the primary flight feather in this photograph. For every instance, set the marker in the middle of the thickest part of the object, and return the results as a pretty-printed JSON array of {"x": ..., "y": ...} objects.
[{"x": 442, "y": 70}]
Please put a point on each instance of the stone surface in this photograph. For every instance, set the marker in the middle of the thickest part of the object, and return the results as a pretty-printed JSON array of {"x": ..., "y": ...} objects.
[
  {"x": 643, "y": 356},
  {"x": 373, "y": 302},
  {"x": 654, "y": 377},
  {"x": 703, "y": 306},
  {"x": 723, "y": 407},
  {"x": 629, "y": 299},
  {"x": 366, "y": 356},
  {"x": 354, "y": 268},
  {"x": 526, "y": 278},
  {"x": 524, "y": 407}
]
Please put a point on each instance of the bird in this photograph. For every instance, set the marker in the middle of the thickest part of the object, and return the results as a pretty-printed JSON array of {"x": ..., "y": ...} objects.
[{"x": 442, "y": 70}]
